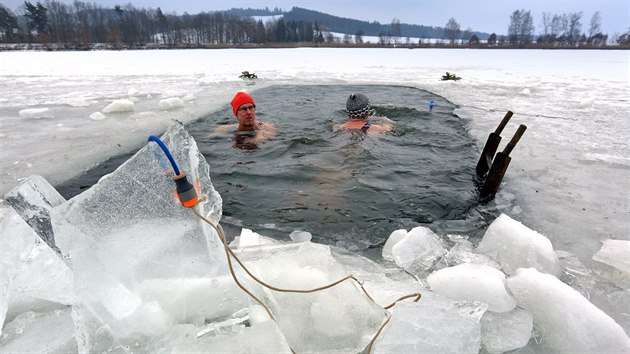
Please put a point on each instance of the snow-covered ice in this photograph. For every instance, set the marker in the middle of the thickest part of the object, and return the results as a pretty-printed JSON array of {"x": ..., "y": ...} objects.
[{"x": 567, "y": 185}]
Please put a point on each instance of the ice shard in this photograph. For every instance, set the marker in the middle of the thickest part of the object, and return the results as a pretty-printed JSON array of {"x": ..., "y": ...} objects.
[
  {"x": 128, "y": 233},
  {"x": 35, "y": 332},
  {"x": 502, "y": 332},
  {"x": 32, "y": 276},
  {"x": 33, "y": 199}
]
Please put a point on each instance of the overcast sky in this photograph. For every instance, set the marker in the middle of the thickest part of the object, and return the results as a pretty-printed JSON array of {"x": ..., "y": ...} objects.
[{"x": 482, "y": 15}]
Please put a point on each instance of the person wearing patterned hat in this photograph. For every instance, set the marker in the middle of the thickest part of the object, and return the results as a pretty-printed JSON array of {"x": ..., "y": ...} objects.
[
  {"x": 248, "y": 131},
  {"x": 358, "y": 108}
]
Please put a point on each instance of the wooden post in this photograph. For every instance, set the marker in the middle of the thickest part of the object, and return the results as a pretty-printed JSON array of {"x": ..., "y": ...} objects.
[
  {"x": 499, "y": 166},
  {"x": 485, "y": 161}
]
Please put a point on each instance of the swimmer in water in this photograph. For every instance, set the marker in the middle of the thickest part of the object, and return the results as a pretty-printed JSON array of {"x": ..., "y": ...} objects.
[
  {"x": 248, "y": 131},
  {"x": 358, "y": 108}
]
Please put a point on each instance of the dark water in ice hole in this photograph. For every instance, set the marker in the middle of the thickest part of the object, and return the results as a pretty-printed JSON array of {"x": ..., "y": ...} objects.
[{"x": 346, "y": 189}]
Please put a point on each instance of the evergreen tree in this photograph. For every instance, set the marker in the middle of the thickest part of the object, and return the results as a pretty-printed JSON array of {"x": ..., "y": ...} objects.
[
  {"x": 492, "y": 40},
  {"x": 8, "y": 24},
  {"x": 37, "y": 19}
]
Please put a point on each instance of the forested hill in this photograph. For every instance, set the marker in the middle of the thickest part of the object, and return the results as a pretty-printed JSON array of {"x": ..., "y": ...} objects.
[{"x": 350, "y": 26}]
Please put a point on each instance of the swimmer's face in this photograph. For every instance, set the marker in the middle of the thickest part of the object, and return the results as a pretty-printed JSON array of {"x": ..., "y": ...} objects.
[{"x": 246, "y": 115}]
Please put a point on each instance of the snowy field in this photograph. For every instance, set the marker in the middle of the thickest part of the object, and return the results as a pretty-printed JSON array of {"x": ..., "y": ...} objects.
[{"x": 63, "y": 112}]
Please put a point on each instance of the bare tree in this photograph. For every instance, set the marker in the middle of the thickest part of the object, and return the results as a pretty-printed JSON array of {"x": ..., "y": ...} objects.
[
  {"x": 347, "y": 38},
  {"x": 521, "y": 28},
  {"x": 596, "y": 24},
  {"x": 574, "y": 28},
  {"x": 558, "y": 25},
  {"x": 595, "y": 35},
  {"x": 358, "y": 37},
  {"x": 467, "y": 34},
  {"x": 451, "y": 30},
  {"x": 545, "y": 23},
  {"x": 61, "y": 22},
  {"x": 395, "y": 30}
]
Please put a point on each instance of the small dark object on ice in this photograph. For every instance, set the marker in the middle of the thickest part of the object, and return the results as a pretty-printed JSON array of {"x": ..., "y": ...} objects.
[
  {"x": 248, "y": 75},
  {"x": 449, "y": 76}
]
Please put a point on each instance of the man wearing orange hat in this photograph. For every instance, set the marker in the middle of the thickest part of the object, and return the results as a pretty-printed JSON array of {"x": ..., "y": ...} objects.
[{"x": 248, "y": 131}]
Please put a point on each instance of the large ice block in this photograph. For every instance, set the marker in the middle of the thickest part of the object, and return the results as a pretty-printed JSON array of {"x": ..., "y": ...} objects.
[
  {"x": 338, "y": 319},
  {"x": 33, "y": 199},
  {"x": 32, "y": 276},
  {"x": 515, "y": 246},
  {"x": 566, "y": 320},
  {"x": 463, "y": 252},
  {"x": 502, "y": 332},
  {"x": 32, "y": 332},
  {"x": 418, "y": 250},
  {"x": 435, "y": 324},
  {"x": 474, "y": 282},
  {"x": 260, "y": 338},
  {"x": 128, "y": 233},
  {"x": 616, "y": 253}
]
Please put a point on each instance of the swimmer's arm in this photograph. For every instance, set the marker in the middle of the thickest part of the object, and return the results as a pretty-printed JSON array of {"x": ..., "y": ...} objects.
[
  {"x": 385, "y": 125},
  {"x": 222, "y": 130},
  {"x": 268, "y": 131}
]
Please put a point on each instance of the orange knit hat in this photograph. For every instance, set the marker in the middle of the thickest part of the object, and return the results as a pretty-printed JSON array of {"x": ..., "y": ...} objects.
[{"x": 240, "y": 99}]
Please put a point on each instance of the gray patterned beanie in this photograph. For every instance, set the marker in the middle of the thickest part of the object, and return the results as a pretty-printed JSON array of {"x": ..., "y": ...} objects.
[{"x": 357, "y": 105}]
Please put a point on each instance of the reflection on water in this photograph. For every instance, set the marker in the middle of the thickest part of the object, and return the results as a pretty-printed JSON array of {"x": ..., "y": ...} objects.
[
  {"x": 347, "y": 189},
  {"x": 244, "y": 140}
]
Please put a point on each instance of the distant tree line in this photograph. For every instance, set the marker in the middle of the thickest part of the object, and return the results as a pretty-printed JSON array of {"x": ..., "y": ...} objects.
[
  {"x": 561, "y": 31},
  {"x": 558, "y": 30},
  {"x": 84, "y": 24}
]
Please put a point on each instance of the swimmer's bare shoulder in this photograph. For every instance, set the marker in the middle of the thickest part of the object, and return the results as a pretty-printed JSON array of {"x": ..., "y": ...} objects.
[
  {"x": 267, "y": 131},
  {"x": 385, "y": 125},
  {"x": 223, "y": 130}
]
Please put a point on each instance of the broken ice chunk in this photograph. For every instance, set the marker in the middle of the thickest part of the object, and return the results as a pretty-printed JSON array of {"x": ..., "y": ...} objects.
[
  {"x": 473, "y": 282},
  {"x": 33, "y": 199},
  {"x": 515, "y": 246}
]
